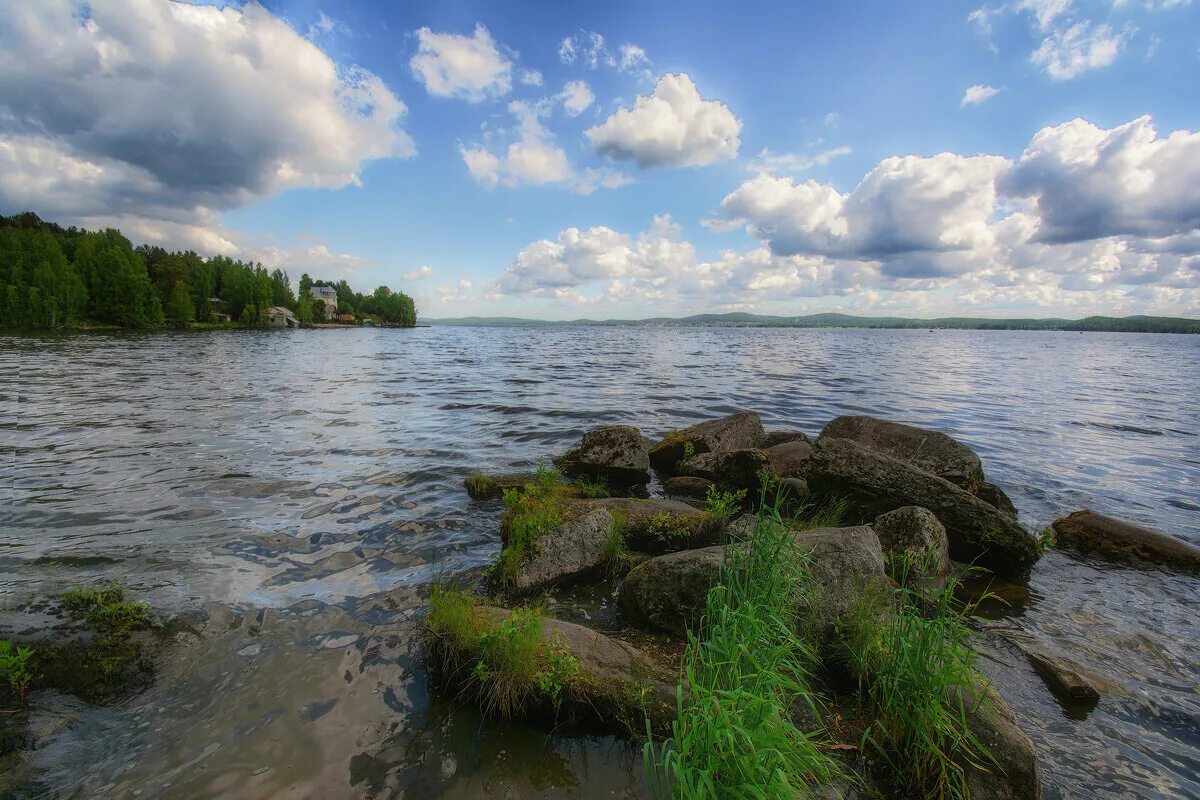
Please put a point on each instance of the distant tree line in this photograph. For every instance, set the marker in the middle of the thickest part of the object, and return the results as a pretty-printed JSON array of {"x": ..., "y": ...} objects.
[{"x": 53, "y": 277}]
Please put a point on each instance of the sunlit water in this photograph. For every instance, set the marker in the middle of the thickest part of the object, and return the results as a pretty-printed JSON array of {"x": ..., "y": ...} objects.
[{"x": 303, "y": 488}]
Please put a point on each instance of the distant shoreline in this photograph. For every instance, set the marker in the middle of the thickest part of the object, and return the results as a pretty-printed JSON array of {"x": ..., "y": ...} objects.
[{"x": 1132, "y": 324}]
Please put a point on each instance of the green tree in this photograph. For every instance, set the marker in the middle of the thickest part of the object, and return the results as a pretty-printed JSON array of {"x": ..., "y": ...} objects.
[{"x": 180, "y": 310}]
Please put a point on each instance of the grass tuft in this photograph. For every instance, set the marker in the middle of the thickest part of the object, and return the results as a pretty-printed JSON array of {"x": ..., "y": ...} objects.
[
  {"x": 530, "y": 512},
  {"x": 105, "y": 609},
  {"x": 592, "y": 488}
]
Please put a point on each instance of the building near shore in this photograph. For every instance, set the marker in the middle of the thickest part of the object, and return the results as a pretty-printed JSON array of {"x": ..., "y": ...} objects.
[
  {"x": 328, "y": 296},
  {"x": 280, "y": 317}
]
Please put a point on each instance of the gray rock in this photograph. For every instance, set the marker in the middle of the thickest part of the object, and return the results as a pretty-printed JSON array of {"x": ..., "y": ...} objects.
[
  {"x": 914, "y": 543},
  {"x": 1078, "y": 687},
  {"x": 844, "y": 564},
  {"x": 931, "y": 451},
  {"x": 783, "y": 437},
  {"x": 733, "y": 469},
  {"x": 669, "y": 592},
  {"x": 994, "y": 496},
  {"x": 1116, "y": 539},
  {"x": 659, "y": 526},
  {"x": 790, "y": 459},
  {"x": 1014, "y": 775},
  {"x": 876, "y": 484},
  {"x": 615, "y": 453},
  {"x": 687, "y": 486},
  {"x": 735, "y": 432},
  {"x": 574, "y": 550},
  {"x": 489, "y": 487}
]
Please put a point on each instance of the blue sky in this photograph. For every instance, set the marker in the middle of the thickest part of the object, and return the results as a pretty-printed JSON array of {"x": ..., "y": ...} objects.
[{"x": 1034, "y": 157}]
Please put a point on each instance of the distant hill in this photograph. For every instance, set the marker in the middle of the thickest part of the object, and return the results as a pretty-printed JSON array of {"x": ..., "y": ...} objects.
[{"x": 1135, "y": 324}]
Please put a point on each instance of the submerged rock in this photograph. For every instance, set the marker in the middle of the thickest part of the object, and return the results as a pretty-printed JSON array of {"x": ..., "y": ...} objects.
[
  {"x": 735, "y": 432},
  {"x": 1077, "y": 687},
  {"x": 489, "y": 487},
  {"x": 875, "y": 484},
  {"x": 614, "y": 453},
  {"x": 576, "y": 549},
  {"x": 1091, "y": 532},
  {"x": 733, "y": 469},
  {"x": 930, "y": 451},
  {"x": 915, "y": 544}
]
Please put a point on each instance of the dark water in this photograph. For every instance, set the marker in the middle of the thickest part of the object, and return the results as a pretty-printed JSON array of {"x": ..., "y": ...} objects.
[{"x": 303, "y": 488}]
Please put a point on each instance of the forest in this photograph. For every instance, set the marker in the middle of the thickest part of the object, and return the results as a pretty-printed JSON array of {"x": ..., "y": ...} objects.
[{"x": 55, "y": 278}]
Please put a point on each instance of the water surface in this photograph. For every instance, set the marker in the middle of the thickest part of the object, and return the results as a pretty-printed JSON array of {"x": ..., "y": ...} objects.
[{"x": 300, "y": 489}]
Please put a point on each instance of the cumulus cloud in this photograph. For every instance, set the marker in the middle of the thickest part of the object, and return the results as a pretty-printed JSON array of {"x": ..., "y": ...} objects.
[
  {"x": 102, "y": 115},
  {"x": 1082, "y": 47},
  {"x": 531, "y": 77},
  {"x": 672, "y": 127},
  {"x": 978, "y": 93},
  {"x": 576, "y": 97},
  {"x": 534, "y": 158},
  {"x": 471, "y": 68}
]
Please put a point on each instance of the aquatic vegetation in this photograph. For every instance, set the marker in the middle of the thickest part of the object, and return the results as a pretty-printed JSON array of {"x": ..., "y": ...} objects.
[
  {"x": 479, "y": 486},
  {"x": 746, "y": 668},
  {"x": 105, "y": 609},
  {"x": 14, "y": 667},
  {"x": 1046, "y": 540}
]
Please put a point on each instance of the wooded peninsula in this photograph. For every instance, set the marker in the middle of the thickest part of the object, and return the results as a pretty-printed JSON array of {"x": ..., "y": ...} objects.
[{"x": 55, "y": 278}]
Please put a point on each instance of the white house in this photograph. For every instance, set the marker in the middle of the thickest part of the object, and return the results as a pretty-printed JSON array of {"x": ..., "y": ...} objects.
[{"x": 328, "y": 296}]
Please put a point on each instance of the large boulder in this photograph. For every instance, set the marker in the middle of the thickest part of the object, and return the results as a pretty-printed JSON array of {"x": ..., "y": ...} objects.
[
  {"x": 735, "y": 432},
  {"x": 994, "y": 496},
  {"x": 790, "y": 459},
  {"x": 875, "y": 484},
  {"x": 669, "y": 592},
  {"x": 914, "y": 543},
  {"x": 1112, "y": 538},
  {"x": 615, "y": 686},
  {"x": 576, "y": 549},
  {"x": 930, "y": 451},
  {"x": 1013, "y": 773},
  {"x": 614, "y": 453},
  {"x": 659, "y": 526},
  {"x": 733, "y": 469}
]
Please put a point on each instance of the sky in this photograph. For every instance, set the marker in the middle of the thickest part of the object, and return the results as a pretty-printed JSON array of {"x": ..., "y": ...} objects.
[{"x": 632, "y": 159}]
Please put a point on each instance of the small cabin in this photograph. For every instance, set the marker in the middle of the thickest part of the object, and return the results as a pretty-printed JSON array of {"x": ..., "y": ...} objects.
[{"x": 280, "y": 317}]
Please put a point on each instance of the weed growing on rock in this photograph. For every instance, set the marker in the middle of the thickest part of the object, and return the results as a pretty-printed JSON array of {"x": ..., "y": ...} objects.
[
  {"x": 616, "y": 552},
  {"x": 480, "y": 486},
  {"x": 720, "y": 504},
  {"x": 689, "y": 449},
  {"x": 105, "y": 609},
  {"x": 530, "y": 512},
  {"x": 592, "y": 488},
  {"x": 14, "y": 667}
]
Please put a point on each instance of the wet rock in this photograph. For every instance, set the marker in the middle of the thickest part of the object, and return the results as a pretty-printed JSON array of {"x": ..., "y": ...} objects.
[
  {"x": 1076, "y": 686},
  {"x": 574, "y": 550},
  {"x": 614, "y": 453},
  {"x": 790, "y": 459},
  {"x": 735, "y": 432},
  {"x": 774, "y": 438},
  {"x": 659, "y": 526},
  {"x": 669, "y": 592},
  {"x": 687, "y": 486},
  {"x": 489, "y": 487},
  {"x": 732, "y": 469},
  {"x": 994, "y": 496},
  {"x": 876, "y": 484},
  {"x": 930, "y": 451},
  {"x": 1014, "y": 775},
  {"x": 914, "y": 543},
  {"x": 1116, "y": 539}
]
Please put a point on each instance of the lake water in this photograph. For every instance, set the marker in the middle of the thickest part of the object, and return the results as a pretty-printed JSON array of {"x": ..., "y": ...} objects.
[{"x": 302, "y": 489}]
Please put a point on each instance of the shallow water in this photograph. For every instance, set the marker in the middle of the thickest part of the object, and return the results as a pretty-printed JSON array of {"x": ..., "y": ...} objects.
[{"x": 302, "y": 489}]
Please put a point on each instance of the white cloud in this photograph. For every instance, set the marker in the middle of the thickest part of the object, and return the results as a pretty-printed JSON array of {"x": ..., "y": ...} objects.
[
  {"x": 531, "y": 77},
  {"x": 468, "y": 67},
  {"x": 978, "y": 93},
  {"x": 533, "y": 159},
  {"x": 326, "y": 26},
  {"x": 105, "y": 118},
  {"x": 1072, "y": 51},
  {"x": 1045, "y": 12},
  {"x": 424, "y": 271},
  {"x": 576, "y": 97},
  {"x": 632, "y": 57},
  {"x": 588, "y": 49},
  {"x": 767, "y": 161},
  {"x": 673, "y": 127}
]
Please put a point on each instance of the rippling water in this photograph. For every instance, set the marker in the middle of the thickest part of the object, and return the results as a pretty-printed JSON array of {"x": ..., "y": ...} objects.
[{"x": 303, "y": 488}]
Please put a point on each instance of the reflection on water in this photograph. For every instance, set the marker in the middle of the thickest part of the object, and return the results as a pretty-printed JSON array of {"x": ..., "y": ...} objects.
[{"x": 298, "y": 491}]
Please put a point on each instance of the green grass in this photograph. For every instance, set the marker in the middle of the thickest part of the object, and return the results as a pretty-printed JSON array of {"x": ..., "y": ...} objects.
[
  {"x": 105, "y": 609},
  {"x": 480, "y": 486},
  {"x": 821, "y": 513},
  {"x": 14, "y": 667},
  {"x": 734, "y": 736},
  {"x": 530, "y": 512},
  {"x": 510, "y": 663},
  {"x": 910, "y": 660},
  {"x": 616, "y": 551},
  {"x": 720, "y": 505},
  {"x": 592, "y": 488}
]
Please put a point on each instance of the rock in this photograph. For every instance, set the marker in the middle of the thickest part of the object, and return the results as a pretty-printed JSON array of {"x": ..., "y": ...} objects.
[
  {"x": 876, "y": 484},
  {"x": 615, "y": 453},
  {"x": 568, "y": 461},
  {"x": 660, "y": 526},
  {"x": 687, "y": 486},
  {"x": 794, "y": 488},
  {"x": 774, "y": 438},
  {"x": 1076, "y": 686},
  {"x": 731, "y": 469},
  {"x": 931, "y": 451},
  {"x": 614, "y": 682},
  {"x": 574, "y": 550},
  {"x": 994, "y": 496},
  {"x": 735, "y": 432},
  {"x": 489, "y": 487},
  {"x": 1091, "y": 532},
  {"x": 915, "y": 544},
  {"x": 790, "y": 459},
  {"x": 1014, "y": 773},
  {"x": 669, "y": 592}
]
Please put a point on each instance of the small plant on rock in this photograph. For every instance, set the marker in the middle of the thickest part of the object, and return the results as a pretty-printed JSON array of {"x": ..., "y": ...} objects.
[
  {"x": 530, "y": 512},
  {"x": 105, "y": 609},
  {"x": 14, "y": 667},
  {"x": 592, "y": 488},
  {"x": 721, "y": 504}
]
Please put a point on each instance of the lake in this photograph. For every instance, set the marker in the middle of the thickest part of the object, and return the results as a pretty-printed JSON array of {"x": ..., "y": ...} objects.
[{"x": 297, "y": 491}]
